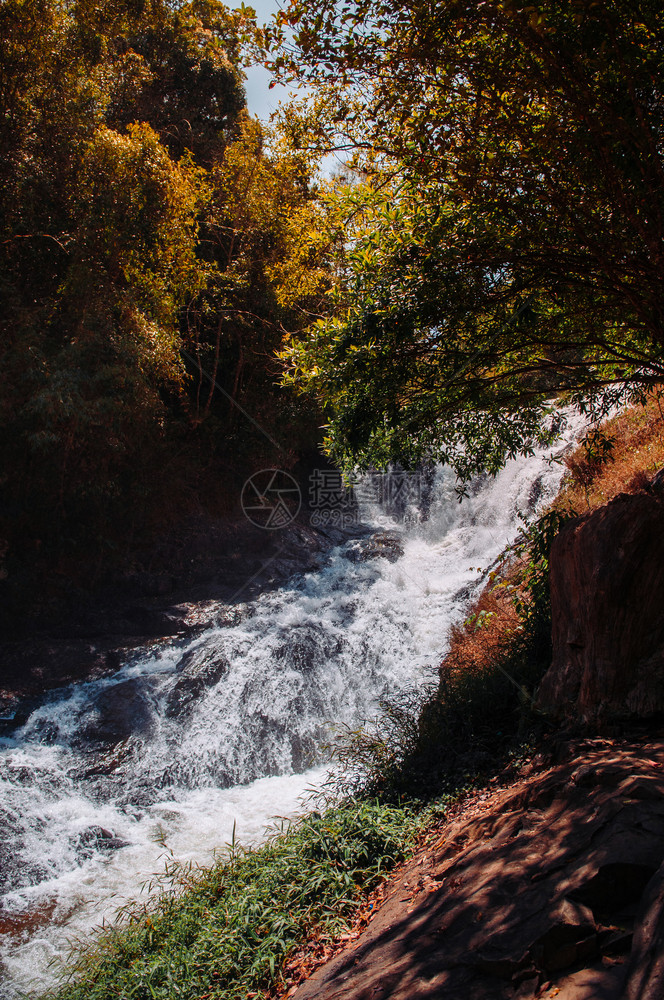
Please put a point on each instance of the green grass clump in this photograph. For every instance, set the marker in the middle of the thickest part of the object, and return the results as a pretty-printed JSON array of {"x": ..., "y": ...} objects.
[{"x": 220, "y": 932}]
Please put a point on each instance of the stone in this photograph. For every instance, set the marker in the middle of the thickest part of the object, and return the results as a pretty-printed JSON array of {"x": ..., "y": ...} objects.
[
  {"x": 645, "y": 972},
  {"x": 97, "y": 838},
  {"x": 607, "y": 596},
  {"x": 382, "y": 544},
  {"x": 199, "y": 671},
  {"x": 119, "y": 711},
  {"x": 534, "y": 891}
]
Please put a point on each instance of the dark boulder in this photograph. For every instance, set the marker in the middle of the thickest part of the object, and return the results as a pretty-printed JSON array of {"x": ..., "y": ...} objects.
[
  {"x": 97, "y": 838},
  {"x": 120, "y": 711},
  {"x": 383, "y": 544}
]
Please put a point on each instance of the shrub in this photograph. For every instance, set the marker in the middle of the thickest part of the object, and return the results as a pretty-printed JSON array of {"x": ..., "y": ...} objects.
[{"x": 223, "y": 931}]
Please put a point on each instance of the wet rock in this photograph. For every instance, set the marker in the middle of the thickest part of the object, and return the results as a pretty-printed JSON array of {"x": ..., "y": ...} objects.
[
  {"x": 31, "y": 667},
  {"x": 305, "y": 750},
  {"x": 19, "y": 713},
  {"x": 15, "y": 871},
  {"x": 307, "y": 648},
  {"x": 97, "y": 838},
  {"x": 535, "y": 494},
  {"x": 199, "y": 671},
  {"x": 230, "y": 615},
  {"x": 25, "y": 922},
  {"x": 45, "y": 731},
  {"x": 120, "y": 711},
  {"x": 205, "y": 563},
  {"x": 383, "y": 545},
  {"x": 100, "y": 764},
  {"x": 607, "y": 595}
]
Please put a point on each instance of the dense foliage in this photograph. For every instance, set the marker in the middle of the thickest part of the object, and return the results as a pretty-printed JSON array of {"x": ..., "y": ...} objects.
[
  {"x": 511, "y": 157},
  {"x": 147, "y": 236},
  {"x": 495, "y": 245}
]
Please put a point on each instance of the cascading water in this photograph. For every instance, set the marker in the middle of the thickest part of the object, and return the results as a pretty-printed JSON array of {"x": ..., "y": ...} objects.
[{"x": 186, "y": 741}]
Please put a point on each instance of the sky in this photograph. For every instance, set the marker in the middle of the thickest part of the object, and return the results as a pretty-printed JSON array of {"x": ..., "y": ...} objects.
[{"x": 260, "y": 99}]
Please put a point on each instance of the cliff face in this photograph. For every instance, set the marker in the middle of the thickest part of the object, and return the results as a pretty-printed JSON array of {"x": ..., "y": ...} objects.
[{"x": 607, "y": 600}]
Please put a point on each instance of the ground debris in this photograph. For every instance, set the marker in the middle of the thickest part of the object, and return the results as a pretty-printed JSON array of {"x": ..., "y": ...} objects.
[{"x": 537, "y": 890}]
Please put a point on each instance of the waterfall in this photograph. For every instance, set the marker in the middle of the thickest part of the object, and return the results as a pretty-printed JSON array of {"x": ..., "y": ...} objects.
[{"x": 193, "y": 736}]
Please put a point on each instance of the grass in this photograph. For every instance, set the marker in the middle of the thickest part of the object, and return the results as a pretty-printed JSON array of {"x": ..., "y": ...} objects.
[
  {"x": 637, "y": 452},
  {"x": 224, "y": 932}
]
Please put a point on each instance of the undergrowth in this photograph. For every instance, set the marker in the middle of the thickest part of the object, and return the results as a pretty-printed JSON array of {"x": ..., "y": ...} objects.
[
  {"x": 478, "y": 717},
  {"x": 619, "y": 457},
  {"x": 222, "y": 933}
]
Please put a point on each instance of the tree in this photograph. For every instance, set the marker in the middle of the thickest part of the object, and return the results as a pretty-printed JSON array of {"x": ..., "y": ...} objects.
[
  {"x": 181, "y": 75},
  {"x": 99, "y": 230},
  {"x": 261, "y": 210},
  {"x": 513, "y": 248}
]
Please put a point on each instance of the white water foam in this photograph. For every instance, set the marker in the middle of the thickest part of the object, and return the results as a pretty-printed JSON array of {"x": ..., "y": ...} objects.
[{"x": 102, "y": 775}]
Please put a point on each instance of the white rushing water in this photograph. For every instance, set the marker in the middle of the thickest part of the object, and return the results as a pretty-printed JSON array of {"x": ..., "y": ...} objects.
[{"x": 199, "y": 736}]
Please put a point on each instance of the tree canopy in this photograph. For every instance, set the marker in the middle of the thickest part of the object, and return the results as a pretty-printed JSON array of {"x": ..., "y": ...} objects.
[
  {"x": 493, "y": 251},
  {"x": 511, "y": 156}
]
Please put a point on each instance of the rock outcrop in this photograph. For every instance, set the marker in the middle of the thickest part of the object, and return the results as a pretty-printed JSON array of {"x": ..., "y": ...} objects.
[
  {"x": 607, "y": 600},
  {"x": 553, "y": 887},
  {"x": 230, "y": 564},
  {"x": 382, "y": 544},
  {"x": 199, "y": 670}
]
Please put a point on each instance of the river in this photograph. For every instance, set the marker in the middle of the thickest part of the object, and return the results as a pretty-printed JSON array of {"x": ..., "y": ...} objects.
[{"x": 193, "y": 739}]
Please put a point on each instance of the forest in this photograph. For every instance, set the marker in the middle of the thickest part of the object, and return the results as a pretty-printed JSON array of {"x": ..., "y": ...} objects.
[{"x": 150, "y": 265}]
